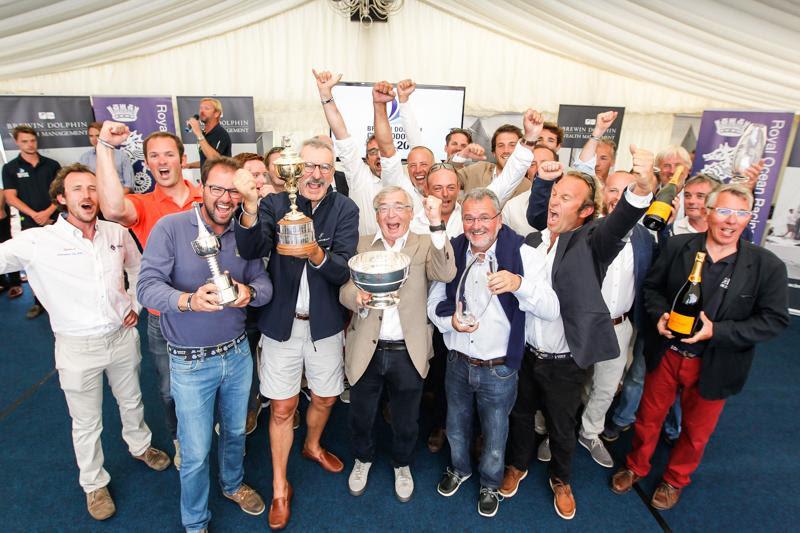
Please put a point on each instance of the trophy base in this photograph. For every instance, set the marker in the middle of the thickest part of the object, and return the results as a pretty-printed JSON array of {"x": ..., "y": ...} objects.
[
  {"x": 296, "y": 237},
  {"x": 228, "y": 292},
  {"x": 383, "y": 301},
  {"x": 295, "y": 249}
]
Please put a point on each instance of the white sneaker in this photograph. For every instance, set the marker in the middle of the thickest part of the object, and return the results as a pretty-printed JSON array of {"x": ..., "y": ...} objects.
[
  {"x": 539, "y": 424},
  {"x": 345, "y": 396},
  {"x": 543, "y": 453},
  {"x": 357, "y": 482},
  {"x": 403, "y": 483},
  {"x": 177, "y": 459}
]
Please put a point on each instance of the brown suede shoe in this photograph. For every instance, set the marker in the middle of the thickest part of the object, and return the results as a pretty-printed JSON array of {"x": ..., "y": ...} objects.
[
  {"x": 665, "y": 497},
  {"x": 563, "y": 501},
  {"x": 326, "y": 460},
  {"x": 280, "y": 510},
  {"x": 623, "y": 481},
  {"x": 511, "y": 481},
  {"x": 248, "y": 499},
  {"x": 252, "y": 420},
  {"x": 436, "y": 440},
  {"x": 154, "y": 458},
  {"x": 100, "y": 504}
]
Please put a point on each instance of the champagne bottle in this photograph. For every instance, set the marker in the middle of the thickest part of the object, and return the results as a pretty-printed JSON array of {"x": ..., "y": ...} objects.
[
  {"x": 661, "y": 208},
  {"x": 685, "y": 313}
]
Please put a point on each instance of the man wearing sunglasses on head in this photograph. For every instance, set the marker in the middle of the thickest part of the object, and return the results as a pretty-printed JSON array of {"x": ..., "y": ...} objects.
[
  {"x": 744, "y": 289},
  {"x": 303, "y": 326}
]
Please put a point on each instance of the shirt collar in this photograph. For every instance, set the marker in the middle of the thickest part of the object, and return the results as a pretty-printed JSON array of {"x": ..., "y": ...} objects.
[
  {"x": 194, "y": 194},
  {"x": 64, "y": 225},
  {"x": 401, "y": 241},
  {"x": 492, "y": 251}
]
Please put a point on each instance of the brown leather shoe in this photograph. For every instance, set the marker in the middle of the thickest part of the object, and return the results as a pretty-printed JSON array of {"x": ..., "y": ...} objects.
[
  {"x": 563, "y": 501},
  {"x": 248, "y": 499},
  {"x": 251, "y": 423},
  {"x": 623, "y": 481},
  {"x": 280, "y": 510},
  {"x": 436, "y": 440},
  {"x": 511, "y": 481},
  {"x": 154, "y": 458},
  {"x": 14, "y": 292},
  {"x": 665, "y": 497},
  {"x": 100, "y": 504},
  {"x": 326, "y": 460}
]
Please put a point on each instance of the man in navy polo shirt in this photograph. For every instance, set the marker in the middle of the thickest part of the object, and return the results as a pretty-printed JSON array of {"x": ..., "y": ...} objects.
[
  {"x": 26, "y": 180},
  {"x": 210, "y": 361}
]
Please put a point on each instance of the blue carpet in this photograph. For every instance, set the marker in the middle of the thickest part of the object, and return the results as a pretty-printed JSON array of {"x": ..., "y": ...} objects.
[{"x": 748, "y": 479}]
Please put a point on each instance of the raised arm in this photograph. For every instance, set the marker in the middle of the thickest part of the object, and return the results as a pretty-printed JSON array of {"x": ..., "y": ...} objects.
[
  {"x": 383, "y": 93},
  {"x": 325, "y": 84},
  {"x": 586, "y": 159},
  {"x": 521, "y": 158},
  {"x": 113, "y": 204},
  {"x": 408, "y": 118}
]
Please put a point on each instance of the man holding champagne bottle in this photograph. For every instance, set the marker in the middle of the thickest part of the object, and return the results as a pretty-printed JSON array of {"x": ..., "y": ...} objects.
[{"x": 703, "y": 344}]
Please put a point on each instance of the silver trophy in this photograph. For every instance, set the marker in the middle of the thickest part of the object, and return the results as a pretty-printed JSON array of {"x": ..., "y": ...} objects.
[
  {"x": 381, "y": 274},
  {"x": 207, "y": 246},
  {"x": 748, "y": 151},
  {"x": 473, "y": 295}
]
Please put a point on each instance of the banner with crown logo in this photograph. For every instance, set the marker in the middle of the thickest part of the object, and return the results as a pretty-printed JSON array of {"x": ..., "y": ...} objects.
[
  {"x": 720, "y": 131},
  {"x": 143, "y": 115}
]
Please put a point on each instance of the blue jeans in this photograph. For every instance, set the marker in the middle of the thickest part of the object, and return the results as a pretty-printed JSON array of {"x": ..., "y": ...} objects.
[
  {"x": 632, "y": 387},
  {"x": 157, "y": 345},
  {"x": 495, "y": 390},
  {"x": 196, "y": 387}
]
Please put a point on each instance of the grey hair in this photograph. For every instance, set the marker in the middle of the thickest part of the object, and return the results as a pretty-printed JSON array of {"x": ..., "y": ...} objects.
[
  {"x": 702, "y": 178},
  {"x": 731, "y": 188},
  {"x": 316, "y": 143},
  {"x": 386, "y": 191},
  {"x": 479, "y": 194},
  {"x": 677, "y": 150}
]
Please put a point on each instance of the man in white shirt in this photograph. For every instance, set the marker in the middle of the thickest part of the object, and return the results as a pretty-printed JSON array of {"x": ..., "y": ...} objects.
[
  {"x": 514, "y": 212},
  {"x": 484, "y": 357},
  {"x": 76, "y": 268},
  {"x": 381, "y": 168},
  {"x": 389, "y": 349}
]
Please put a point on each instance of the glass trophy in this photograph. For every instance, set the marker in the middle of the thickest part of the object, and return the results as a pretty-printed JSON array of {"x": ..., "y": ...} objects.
[
  {"x": 473, "y": 295},
  {"x": 748, "y": 151}
]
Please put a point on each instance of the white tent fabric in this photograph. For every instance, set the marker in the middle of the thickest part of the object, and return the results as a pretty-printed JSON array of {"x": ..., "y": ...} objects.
[{"x": 654, "y": 57}]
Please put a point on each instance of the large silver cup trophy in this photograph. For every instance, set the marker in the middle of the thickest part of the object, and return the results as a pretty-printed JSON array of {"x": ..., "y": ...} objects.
[
  {"x": 207, "y": 246},
  {"x": 748, "y": 151},
  {"x": 381, "y": 274},
  {"x": 295, "y": 230},
  {"x": 473, "y": 295}
]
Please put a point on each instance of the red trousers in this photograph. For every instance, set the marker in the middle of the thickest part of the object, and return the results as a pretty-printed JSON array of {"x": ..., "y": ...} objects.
[{"x": 699, "y": 419}]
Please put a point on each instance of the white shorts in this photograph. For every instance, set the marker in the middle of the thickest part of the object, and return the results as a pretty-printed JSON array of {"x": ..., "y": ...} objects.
[{"x": 282, "y": 363}]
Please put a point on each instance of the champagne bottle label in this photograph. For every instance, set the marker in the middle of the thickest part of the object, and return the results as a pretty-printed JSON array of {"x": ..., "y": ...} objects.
[
  {"x": 680, "y": 323},
  {"x": 660, "y": 209}
]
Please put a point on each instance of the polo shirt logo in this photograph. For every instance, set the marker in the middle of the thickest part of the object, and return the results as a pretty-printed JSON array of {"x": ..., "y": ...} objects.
[{"x": 22, "y": 173}]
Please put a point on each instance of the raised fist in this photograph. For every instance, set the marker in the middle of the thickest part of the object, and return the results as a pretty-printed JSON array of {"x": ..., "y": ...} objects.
[
  {"x": 404, "y": 90},
  {"x": 114, "y": 133},
  {"x": 550, "y": 170},
  {"x": 382, "y": 92},
  {"x": 245, "y": 183},
  {"x": 474, "y": 152},
  {"x": 433, "y": 209},
  {"x": 643, "y": 168},
  {"x": 604, "y": 121},
  {"x": 532, "y": 123}
]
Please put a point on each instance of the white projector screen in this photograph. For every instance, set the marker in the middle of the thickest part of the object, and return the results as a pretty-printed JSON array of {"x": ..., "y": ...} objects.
[{"x": 438, "y": 109}]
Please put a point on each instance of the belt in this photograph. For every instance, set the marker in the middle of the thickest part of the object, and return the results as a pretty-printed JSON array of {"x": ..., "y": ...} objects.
[
  {"x": 202, "y": 352},
  {"x": 392, "y": 345},
  {"x": 489, "y": 363},
  {"x": 683, "y": 353},
  {"x": 547, "y": 356},
  {"x": 619, "y": 320},
  {"x": 298, "y": 316}
]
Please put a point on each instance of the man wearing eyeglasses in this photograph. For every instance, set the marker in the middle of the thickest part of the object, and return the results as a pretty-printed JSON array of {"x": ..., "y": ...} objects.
[
  {"x": 383, "y": 165},
  {"x": 559, "y": 352},
  {"x": 484, "y": 357},
  {"x": 209, "y": 357},
  {"x": 163, "y": 155},
  {"x": 389, "y": 349},
  {"x": 745, "y": 301},
  {"x": 303, "y": 326}
]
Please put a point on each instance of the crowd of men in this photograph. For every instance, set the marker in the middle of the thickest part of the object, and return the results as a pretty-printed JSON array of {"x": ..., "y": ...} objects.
[{"x": 575, "y": 293}]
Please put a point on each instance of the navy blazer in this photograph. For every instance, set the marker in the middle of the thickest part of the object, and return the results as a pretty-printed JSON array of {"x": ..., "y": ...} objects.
[
  {"x": 754, "y": 309},
  {"x": 644, "y": 252},
  {"x": 579, "y": 266},
  {"x": 336, "y": 231}
]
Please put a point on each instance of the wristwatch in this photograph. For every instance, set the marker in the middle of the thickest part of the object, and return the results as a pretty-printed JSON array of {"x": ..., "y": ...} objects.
[
  {"x": 253, "y": 292},
  {"x": 440, "y": 227},
  {"x": 526, "y": 142}
]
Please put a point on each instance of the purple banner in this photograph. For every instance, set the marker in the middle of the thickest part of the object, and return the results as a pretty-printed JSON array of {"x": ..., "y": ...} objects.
[
  {"x": 719, "y": 133},
  {"x": 143, "y": 115}
]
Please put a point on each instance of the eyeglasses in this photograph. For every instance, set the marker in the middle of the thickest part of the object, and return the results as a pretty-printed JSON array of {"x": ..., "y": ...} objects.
[
  {"x": 385, "y": 209},
  {"x": 217, "y": 191},
  {"x": 727, "y": 211},
  {"x": 485, "y": 219},
  {"x": 440, "y": 166},
  {"x": 373, "y": 151},
  {"x": 324, "y": 168}
]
